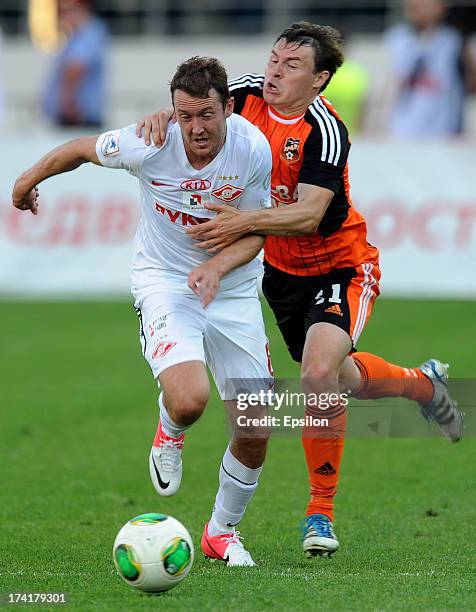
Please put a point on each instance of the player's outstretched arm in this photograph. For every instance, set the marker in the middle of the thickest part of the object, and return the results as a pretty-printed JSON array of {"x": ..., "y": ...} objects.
[
  {"x": 64, "y": 158},
  {"x": 205, "y": 279},
  {"x": 155, "y": 125},
  {"x": 299, "y": 219}
]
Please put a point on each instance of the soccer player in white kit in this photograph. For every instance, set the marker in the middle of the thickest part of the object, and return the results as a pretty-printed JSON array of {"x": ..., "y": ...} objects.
[{"x": 194, "y": 308}]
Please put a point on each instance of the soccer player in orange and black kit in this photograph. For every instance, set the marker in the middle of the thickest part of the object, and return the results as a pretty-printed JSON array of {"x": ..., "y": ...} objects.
[{"x": 321, "y": 275}]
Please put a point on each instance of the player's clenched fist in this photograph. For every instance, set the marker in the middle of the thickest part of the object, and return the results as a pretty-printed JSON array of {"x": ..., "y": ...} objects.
[{"x": 25, "y": 198}]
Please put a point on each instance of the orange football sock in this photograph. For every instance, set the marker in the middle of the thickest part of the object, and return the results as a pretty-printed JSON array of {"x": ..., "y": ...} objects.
[
  {"x": 323, "y": 450},
  {"x": 379, "y": 378}
]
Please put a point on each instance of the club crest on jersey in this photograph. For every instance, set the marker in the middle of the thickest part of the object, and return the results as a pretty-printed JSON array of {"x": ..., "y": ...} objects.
[
  {"x": 110, "y": 144},
  {"x": 162, "y": 349},
  {"x": 195, "y": 184},
  {"x": 290, "y": 152},
  {"x": 227, "y": 193}
]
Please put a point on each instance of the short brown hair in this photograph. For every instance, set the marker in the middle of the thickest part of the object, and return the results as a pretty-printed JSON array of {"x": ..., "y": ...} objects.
[
  {"x": 197, "y": 75},
  {"x": 326, "y": 41}
]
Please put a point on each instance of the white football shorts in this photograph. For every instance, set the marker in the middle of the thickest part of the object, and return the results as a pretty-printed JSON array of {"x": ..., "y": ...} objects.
[{"x": 228, "y": 336}]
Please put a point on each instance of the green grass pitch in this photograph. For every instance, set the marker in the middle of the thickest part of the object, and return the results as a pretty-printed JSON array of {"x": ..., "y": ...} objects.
[{"x": 77, "y": 418}]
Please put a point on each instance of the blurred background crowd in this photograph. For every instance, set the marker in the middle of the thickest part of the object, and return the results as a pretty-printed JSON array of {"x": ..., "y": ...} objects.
[{"x": 410, "y": 69}]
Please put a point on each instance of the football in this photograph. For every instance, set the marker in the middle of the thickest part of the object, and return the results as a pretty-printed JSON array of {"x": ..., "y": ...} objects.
[{"x": 153, "y": 552}]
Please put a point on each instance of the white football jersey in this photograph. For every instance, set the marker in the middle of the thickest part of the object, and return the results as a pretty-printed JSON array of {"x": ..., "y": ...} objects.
[{"x": 173, "y": 194}]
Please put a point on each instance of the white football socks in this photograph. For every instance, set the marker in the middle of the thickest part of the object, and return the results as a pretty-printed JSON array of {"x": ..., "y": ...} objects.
[
  {"x": 237, "y": 485},
  {"x": 168, "y": 425}
]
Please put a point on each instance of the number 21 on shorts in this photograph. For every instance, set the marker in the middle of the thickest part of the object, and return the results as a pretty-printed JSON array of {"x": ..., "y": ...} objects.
[{"x": 335, "y": 297}]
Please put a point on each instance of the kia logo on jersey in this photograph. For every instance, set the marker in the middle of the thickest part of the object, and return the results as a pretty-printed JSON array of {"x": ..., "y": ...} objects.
[
  {"x": 227, "y": 193},
  {"x": 196, "y": 185}
]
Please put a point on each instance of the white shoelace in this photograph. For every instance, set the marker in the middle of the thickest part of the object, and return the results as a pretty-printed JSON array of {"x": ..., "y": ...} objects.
[
  {"x": 234, "y": 538},
  {"x": 170, "y": 455},
  {"x": 235, "y": 550}
]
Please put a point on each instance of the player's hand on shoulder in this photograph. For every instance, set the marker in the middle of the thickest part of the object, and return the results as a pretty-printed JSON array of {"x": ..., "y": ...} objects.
[
  {"x": 25, "y": 198},
  {"x": 204, "y": 281},
  {"x": 153, "y": 128}
]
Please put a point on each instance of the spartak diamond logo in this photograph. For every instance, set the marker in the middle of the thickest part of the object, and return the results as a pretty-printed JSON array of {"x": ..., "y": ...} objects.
[
  {"x": 162, "y": 349},
  {"x": 227, "y": 193}
]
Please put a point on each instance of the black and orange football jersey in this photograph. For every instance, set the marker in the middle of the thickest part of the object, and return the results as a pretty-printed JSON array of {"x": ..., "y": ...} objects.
[{"x": 313, "y": 149}]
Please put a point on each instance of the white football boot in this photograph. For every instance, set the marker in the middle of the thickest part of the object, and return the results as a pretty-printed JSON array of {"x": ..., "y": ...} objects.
[
  {"x": 442, "y": 409},
  {"x": 165, "y": 463},
  {"x": 226, "y": 547}
]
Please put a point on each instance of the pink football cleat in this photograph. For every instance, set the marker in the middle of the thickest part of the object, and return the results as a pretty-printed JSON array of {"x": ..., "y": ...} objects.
[{"x": 227, "y": 547}]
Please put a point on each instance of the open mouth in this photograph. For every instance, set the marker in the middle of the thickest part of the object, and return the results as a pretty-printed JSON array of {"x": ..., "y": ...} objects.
[
  {"x": 201, "y": 141},
  {"x": 271, "y": 88}
]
